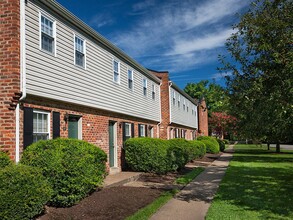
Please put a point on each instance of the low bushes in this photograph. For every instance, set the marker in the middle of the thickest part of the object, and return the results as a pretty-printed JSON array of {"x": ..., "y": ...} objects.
[
  {"x": 23, "y": 192},
  {"x": 221, "y": 144},
  {"x": 201, "y": 148},
  {"x": 74, "y": 168},
  {"x": 212, "y": 145},
  {"x": 4, "y": 160},
  {"x": 180, "y": 152},
  {"x": 147, "y": 155}
]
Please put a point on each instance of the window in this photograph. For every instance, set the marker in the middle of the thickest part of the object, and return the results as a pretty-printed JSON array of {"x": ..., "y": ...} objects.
[
  {"x": 141, "y": 130},
  {"x": 178, "y": 100},
  {"x": 79, "y": 52},
  {"x": 151, "y": 131},
  {"x": 116, "y": 68},
  {"x": 127, "y": 129},
  {"x": 187, "y": 108},
  {"x": 41, "y": 126},
  {"x": 153, "y": 92},
  {"x": 184, "y": 104},
  {"x": 47, "y": 35},
  {"x": 174, "y": 98},
  {"x": 144, "y": 84},
  {"x": 130, "y": 79}
]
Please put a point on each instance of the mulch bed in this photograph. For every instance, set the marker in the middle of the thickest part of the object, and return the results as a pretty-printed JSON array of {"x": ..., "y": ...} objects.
[
  {"x": 109, "y": 203},
  {"x": 122, "y": 201}
]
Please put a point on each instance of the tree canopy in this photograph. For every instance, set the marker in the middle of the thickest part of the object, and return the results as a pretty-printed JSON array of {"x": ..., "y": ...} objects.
[{"x": 261, "y": 85}]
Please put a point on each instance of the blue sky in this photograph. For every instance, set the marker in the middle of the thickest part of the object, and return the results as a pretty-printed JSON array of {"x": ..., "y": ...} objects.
[{"x": 183, "y": 37}]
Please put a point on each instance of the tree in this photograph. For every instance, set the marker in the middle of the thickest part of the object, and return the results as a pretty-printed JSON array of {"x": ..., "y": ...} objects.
[
  {"x": 222, "y": 124},
  {"x": 213, "y": 93},
  {"x": 261, "y": 84}
]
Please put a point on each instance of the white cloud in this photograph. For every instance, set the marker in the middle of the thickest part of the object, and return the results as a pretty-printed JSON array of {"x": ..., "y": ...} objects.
[
  {"x": 140, "y": 6},
  {"x": 221, "y": 75},
  {"x": 100, "y": 20}
]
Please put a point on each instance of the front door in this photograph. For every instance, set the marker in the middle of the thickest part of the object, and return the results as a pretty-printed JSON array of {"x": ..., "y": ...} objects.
[
  {"x": 73, "y": 127},
  {"x": 112, "y": 137}
]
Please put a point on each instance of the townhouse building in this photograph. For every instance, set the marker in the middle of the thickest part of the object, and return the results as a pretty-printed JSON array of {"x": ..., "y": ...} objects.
[{"x": 60, "y": 78}]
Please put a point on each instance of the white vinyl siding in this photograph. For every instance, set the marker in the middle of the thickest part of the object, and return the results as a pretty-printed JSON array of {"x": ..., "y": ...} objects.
[
  {"x": 47, "y": 34},
  {"x": 41, "y": 126},
  {"x": 79, "y": 51},
  {"x": 183, "y": 116},
  {"x": 57, "y": 78}
]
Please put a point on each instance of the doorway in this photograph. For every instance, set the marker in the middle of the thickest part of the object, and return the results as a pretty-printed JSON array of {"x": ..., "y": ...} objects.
[
  {"x": 113, "y": 144},
  {"x": 74, "y": 127}
]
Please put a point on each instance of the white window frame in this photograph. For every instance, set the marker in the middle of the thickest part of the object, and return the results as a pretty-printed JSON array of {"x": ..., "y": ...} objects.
[
  {"x": 152, "y": 132},
  {"x": 179, "y": 102},
  {"x": 187, "y": 107},
  {"x": 142, "y": 130},
  {"x": 184, "y": 104},
  {"x": 174, "y": 97},
  {"x": 129, "y": 129},
  {"x": 119, "y": 72},
  {"x": 153, "y": 92},
  {"x": 131, "y": 78},
  {"x": 48, "y": 125},
  {"x": 50, "y": 18},
  {"x": 144, "y": 86},
  {"x": 84, "y": 50}
]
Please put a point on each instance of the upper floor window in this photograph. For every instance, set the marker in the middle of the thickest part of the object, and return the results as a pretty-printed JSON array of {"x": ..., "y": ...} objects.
[
  {"x": 116, "y": 68},
  {"x": 174, "y": 98},
  {"x": 130, "y": 79},
  {"x": 144, "y": 85},
  {"x": 47, "y": 30},
  {"x": 178, "y": 101},
  {"x": 79, "y": 52},
  {"x": 41, "y": 126},
  {"x": 187, "y": 107},
  {"x": 184, "y": 104},
  {"x": 153, "y": 92}
]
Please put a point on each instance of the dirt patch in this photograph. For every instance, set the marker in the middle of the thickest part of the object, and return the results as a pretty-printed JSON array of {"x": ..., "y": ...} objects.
[{"x": 109, "y": 203}]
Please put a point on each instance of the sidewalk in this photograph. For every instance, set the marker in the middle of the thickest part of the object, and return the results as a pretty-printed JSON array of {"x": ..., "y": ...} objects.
[
  {"x": 120, "y": 178},
  {"x": 195, "y": 199}
]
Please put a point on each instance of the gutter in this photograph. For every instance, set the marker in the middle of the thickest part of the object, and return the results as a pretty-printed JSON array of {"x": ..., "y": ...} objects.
[
  {"x": 22, "y": 79},
  {"x": 170, "y": 102}
]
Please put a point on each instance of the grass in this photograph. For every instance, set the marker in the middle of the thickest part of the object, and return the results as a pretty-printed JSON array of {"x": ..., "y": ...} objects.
[
  {"x": 258, "y": 185},
  {"x": 146, "y": 212}
]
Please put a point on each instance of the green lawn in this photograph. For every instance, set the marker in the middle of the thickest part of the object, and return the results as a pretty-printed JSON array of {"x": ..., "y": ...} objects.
[{"x": 258, "y": 185}]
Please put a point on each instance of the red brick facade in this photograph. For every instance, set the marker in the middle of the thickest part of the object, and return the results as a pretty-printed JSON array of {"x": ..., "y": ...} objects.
[
  {"x": 9, "y": 71},
  {"x": 203, "y": 128}
]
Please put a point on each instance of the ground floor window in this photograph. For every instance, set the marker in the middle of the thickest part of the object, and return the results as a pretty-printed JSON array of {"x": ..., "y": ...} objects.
[
  {"x": 41, "y": 126},
  {"x": 141, "y": 130},
  {"x": 151, "y": 131}
]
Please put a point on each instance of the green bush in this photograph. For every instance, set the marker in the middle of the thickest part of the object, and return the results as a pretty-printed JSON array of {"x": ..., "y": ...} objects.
[
  {"x": 201, "y": 148},
  {"x": 212, "y": 145},
  {"x": 147, "y": 155},
  {"x": 73, "y": 167},
  {"x": 4, "y": 159},
  {"x": 180, "y": 152},
  {"x": 226, "y": 141},
  {"x": 23, "y": 192},
  {"x": 221, "y": 144}
]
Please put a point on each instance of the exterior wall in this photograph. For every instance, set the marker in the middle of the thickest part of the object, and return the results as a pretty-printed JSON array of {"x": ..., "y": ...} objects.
[
  {"x": 203, "y": 128},
  {"x": 58, "y": 78},
  {"x": 9, "y": 72},
  {"x": 178, "y": 114},
  {"x": 95, "y": 122}
]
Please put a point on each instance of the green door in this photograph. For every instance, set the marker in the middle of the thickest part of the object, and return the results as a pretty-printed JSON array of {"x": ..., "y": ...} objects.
[
  {"x": 111, "y": 143},
  {"x": 73, "y": 127}
]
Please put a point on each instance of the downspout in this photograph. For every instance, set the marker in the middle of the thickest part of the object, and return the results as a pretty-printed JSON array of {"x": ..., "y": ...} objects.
[
  {"x": 170, "y": 102},
  {"x": 22, "y": 79},
  {"x": 158, "y": 125}
]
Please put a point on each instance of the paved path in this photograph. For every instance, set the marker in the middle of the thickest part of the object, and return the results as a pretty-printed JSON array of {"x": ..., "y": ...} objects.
[{"x": 195, "y": 199}]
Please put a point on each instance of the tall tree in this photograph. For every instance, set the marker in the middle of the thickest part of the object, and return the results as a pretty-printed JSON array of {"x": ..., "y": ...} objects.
[{"x": 261, "y": 84}]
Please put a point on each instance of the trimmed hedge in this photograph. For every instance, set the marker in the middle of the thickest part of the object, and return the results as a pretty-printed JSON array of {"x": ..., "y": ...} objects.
[
  {"x": 23, "y": 192},
  {"x": 147, "y": 155},
  {"x": 180, "y": 152},
  {"x": 212, "y": 145},
  {"x": 221, "y": 144},
  {"x": 4, "y": 160},
  {"x": 201, "y": 148},
  {"x": 73, "y": 167}
]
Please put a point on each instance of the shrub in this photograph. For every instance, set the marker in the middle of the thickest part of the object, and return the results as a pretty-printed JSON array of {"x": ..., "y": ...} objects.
[
  {"x": 147, "y": 155},
  {"x": 226, "y": 141},
  {"x": 212, "y": 145},
  {"x": 73, "y": 167},
  {"x": 221, "y": 144},
  {"x": 180, "y": 152},
  {"x": 23, "y": 192},
  {"x": 201, "y": 148},
  {"x": 4, "y": 159}
]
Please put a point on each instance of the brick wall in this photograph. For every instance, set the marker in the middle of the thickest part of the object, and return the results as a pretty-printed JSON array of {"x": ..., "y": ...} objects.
[
  {"x": 95, "y": 122},
  {"x": 9, "y": 71},
  {"x": 203, "y": 128},
  {"x": 165, "y": 104}
]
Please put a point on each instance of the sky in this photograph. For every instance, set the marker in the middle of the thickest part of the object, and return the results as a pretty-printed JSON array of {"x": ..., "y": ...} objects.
[{"x": 183, "y": 37}]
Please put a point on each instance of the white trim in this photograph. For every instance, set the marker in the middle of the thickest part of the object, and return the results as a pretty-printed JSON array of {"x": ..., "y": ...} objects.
[
  {"x": 80, "y": 128},
  {"x": 119, "y": 72},
  {"x": 129, "y": 129},
  {"x": 17, "y": 133},
  {"x": 49, "y": 122},
  {"x": 53, "y": 20},
  {"x": 144, "y": 86},
  {"x": 170, "y": 102},
  {"x": 84, "y": 50},
  {"x": 115, "y": 145},
  {"x": 142, "y": 126},
  {"x": 132, "y": 78}
]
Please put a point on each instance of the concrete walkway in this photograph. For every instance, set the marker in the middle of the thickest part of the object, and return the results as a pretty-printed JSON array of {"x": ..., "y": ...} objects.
[
  {"x": 120, "y": 178},
  {"x": 195, "y": 199}
]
